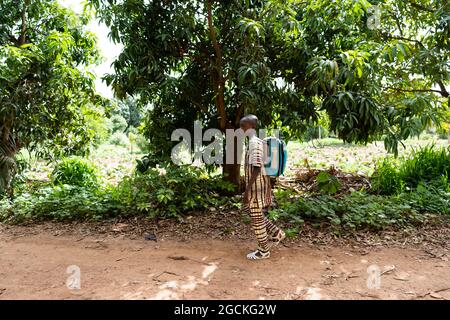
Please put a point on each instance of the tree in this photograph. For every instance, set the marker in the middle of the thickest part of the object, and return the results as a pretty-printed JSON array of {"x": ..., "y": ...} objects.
[
  {"x": 282, "y": 60},
  {"x": 129, "y": 110},
  {"x": 178, "y": 58},
  {"x": 374, "y": 78},
  {"x": 46, "y": 90}
]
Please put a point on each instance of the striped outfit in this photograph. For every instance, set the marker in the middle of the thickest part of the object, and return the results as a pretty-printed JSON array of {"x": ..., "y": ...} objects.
[{"x": 260, "y": 195}]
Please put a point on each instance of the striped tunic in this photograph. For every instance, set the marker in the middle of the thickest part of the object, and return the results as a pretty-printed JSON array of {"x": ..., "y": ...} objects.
[{"x": 260, "y": 190}]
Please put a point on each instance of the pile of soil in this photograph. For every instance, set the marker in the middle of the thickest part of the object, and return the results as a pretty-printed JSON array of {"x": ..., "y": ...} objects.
[{"x": 304, "y": 181}]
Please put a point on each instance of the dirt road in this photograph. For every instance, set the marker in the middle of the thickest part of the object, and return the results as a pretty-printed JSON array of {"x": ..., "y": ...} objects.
[{"x": 33, "y": 265}]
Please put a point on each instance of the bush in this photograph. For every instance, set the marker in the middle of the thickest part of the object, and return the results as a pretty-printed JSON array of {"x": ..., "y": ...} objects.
[
  {"x": 327, "y": 183},
  {"x": 100, "y": 128},
  {"x": 170, "y": 191},
  {"x": 163, "y": 192},
  {"x": 62, "y": 203},
  {"x": 429, "y": 199},
  {"x": 119, "y": 139},
  {"x": 143, "y": 143},
  {"x": 118, "y": 124},
  {"x": 386, "y": 179},
  {"x": 75, "y": 171},
  {"x": 360, "y": 210},
  {"x": 427, "y": 165}
]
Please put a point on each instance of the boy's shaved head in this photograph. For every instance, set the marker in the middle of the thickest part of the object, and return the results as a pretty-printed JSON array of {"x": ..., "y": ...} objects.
[{"x": 250, "y": 119}]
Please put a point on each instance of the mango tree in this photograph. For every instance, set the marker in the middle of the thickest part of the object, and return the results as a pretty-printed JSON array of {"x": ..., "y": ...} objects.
[
  {"x": 46, "y": 89},
  {"x": 373, "y": 69}
]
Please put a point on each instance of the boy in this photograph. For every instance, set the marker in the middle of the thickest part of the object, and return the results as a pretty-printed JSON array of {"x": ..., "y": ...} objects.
[{"x": 258, "y": 192}]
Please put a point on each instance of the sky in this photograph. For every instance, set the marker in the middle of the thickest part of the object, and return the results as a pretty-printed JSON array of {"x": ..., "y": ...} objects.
[{"x": 108, "y": 49}]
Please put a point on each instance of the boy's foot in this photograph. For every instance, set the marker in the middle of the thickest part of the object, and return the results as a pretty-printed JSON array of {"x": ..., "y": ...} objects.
[
  {"x": 258, "y": 255},
  {"x": 275, "y": 240}
]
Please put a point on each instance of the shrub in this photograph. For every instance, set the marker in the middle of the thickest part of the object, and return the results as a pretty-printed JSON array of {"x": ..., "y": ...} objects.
[
  {"x": 75, "y": 171},
  {"x": 327, "y": 183},
  {"x": 427, "y": 165},
  {"x": 62, "y": 202},
  {"x": 143, "y": 143},
  {"x": 100, "y": 128},
  {"x": 360, "y": 210},
  {"x": 160, "y": 192},
  {"x": 170, "y": 191},
  {"x": 386, "y": 179},
  {"x": 119, "y": 139},
  {"x": 427, "y": 198},
  {"x": 118, "y": 123}
]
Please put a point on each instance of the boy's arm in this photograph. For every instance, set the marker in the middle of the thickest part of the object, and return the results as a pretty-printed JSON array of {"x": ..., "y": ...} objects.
[
  {"x": 255, "y": 172},
  {"x": 256, "y": 157}
]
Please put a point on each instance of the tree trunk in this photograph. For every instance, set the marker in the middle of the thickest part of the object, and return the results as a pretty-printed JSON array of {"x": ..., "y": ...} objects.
[{"x": 232, "y": 171}]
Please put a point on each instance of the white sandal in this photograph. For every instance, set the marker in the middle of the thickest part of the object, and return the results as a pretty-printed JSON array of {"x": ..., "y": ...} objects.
[
  {"x": 275, "y": 240},
  {"x": 258, "y": 255}
]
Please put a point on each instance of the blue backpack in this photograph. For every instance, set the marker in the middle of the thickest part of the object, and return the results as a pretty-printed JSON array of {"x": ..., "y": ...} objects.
[{"x": 276, "y": 157}]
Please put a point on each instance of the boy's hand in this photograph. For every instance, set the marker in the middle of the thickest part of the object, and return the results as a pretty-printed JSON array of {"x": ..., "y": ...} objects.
[{"x": 246, "y": 197}]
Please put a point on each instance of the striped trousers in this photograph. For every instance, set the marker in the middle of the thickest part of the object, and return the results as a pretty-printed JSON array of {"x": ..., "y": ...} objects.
[{"x": 261, "y": 225}]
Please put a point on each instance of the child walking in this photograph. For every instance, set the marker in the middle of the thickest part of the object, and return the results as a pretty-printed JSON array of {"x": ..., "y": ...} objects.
[{"x": 258, "y": 192}]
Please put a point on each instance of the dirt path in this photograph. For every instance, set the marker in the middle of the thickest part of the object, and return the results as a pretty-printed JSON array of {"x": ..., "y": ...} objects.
[{"x": 33, "y": 265}]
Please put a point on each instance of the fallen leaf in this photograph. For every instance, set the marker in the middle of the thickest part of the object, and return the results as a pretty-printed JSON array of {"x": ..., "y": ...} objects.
[
  {"x": 402, "y": 276},
  {"x": 387, "y": 269}
]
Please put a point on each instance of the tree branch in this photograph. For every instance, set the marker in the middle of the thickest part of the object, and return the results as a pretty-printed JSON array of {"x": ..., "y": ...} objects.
[
  {"x": 23, "y": 32},
  {"x": 218, "y": 80},
  {"x": 419, "y": 6},
  {"x": 386, "y": 35},
  {"x": 397, "y": 22},
  {"x": 443, "y": 92},
  {"x": 239, "y": 112}
]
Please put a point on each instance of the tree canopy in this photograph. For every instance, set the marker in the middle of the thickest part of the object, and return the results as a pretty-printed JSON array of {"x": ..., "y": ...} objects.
[
  {"x": 46, "y": 88},
  {"x": 378, "y": 71}
]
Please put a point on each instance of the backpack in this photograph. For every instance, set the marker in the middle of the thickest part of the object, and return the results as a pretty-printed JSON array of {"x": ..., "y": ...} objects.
[{"x": 276, "y": 157}]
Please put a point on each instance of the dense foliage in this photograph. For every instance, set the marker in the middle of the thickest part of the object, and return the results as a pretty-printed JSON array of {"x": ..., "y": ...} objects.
[
  {"x": 46, "y": 89},
  {"x": 407, "y": 191},
  {"x": 47, "y": 98},
  {"x": 377, "y": 71},
  {"x": 171, "y": 191},
  {"x": 360, "y": 210},
  {"x": 164, "y": 192}
]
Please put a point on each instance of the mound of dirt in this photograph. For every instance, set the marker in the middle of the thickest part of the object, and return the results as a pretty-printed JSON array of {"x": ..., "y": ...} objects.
[{"x": 305, "y": 180}]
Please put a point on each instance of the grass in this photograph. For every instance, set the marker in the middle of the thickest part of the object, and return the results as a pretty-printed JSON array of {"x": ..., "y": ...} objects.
[{"x": 347, "y": 157}]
